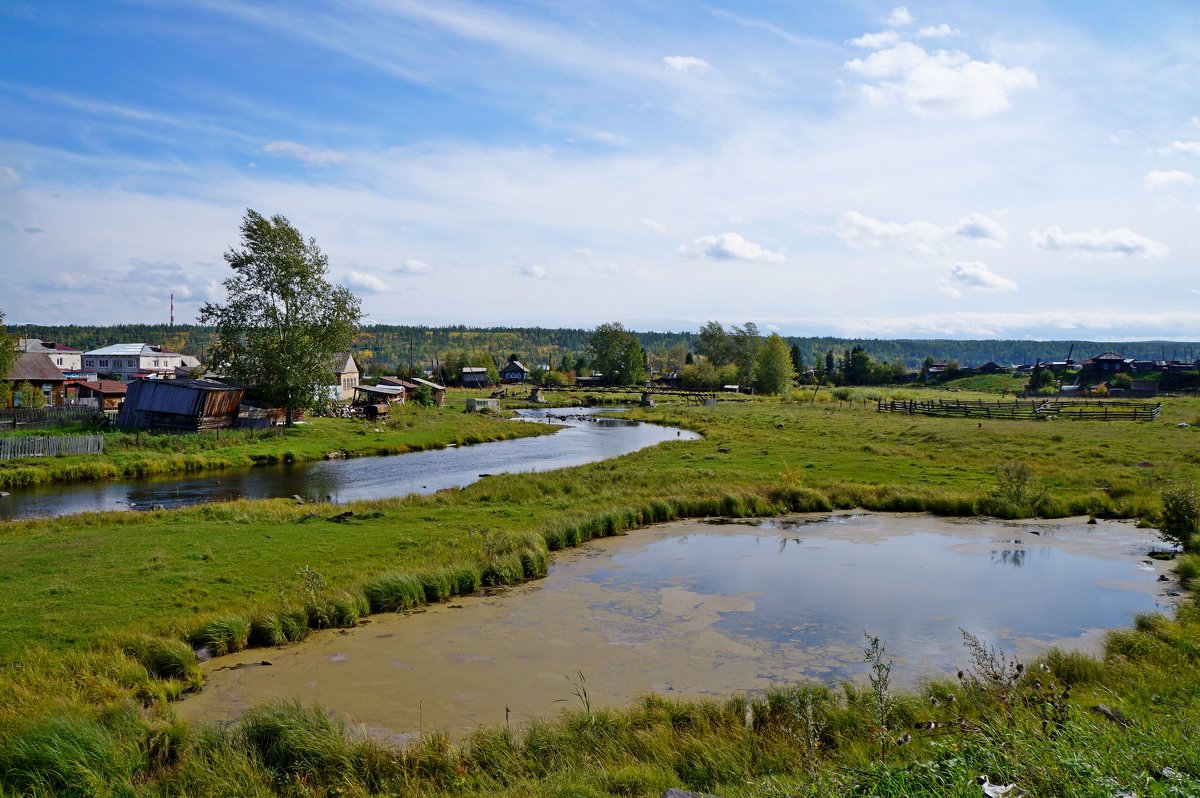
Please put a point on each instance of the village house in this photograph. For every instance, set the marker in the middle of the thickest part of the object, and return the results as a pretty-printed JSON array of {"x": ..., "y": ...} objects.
[
  {"x": 1107, "y": 364},
  {"x": 514, "y": 371},
  {"x": 439, "y": 391},
  {"x": 127, "y": 362},
  {"x": 475, "y": 377},
  {"x": 100, "y": 394},
  {"x": 67, "y": 359},
  {"x": 345, "y": 377},
  {"x": 37, "y": 371}
]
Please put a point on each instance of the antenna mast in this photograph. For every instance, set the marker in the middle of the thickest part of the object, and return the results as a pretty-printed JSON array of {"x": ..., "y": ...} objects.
[{"x": 172, "y": 308}]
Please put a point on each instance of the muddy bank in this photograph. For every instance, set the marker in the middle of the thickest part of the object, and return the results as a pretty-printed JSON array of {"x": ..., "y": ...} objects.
[{"x": 694, "y": 609}]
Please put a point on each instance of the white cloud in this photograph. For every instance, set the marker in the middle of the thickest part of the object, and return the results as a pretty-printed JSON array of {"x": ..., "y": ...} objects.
[
  {"x": 365, "y": 283},
  {"x": 729, "y": 246},
  {"x": 977, "y": 276},
  {"x": 944, "y": 83},
  {"x": 982, "y": 229},
  {"x": 410, "y": 266},
  {"x": 304, "y": 153},
  {"x": 654, "y": 227},
  {"x": 10, "y": 179},
  {"x": 899, "y": 17},
  {"x": 938, "y": 31},
  {"x": 1174, "y": 177},
  {"x": 877, "y": 41},
  {"x": 532, "y": 270},
  {"x": 860, "y": 231},
  {"x": 1189, "y": 147},
  {"x": 608, "y": 137},
  {"x": 1100, "y": 243},
  {"x": 687, "y": 65}
]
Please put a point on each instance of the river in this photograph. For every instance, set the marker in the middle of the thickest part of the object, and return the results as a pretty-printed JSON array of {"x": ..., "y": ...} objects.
[{"x": 585, "y": 438}]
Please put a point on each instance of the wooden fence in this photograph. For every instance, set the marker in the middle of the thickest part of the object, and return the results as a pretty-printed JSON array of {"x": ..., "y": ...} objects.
[
  {"x": 1077, "y": 409},
  {"x": 28, "y": 417},
  {"x": 15, "y": 446}
]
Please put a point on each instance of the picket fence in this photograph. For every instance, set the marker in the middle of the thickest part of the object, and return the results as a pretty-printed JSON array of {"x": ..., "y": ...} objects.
[{"x": 15, "y": 446}]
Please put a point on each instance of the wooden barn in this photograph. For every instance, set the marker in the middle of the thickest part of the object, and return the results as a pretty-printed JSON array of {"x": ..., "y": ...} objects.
[{"x": 179, "y": 405}]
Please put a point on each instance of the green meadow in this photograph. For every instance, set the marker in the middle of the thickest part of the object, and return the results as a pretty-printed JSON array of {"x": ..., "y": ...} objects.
[{"x": 102, "y": 613}]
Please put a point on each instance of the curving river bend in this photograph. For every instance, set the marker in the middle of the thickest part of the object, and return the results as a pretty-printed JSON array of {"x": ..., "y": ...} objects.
[{"x": 585, "y": 438}]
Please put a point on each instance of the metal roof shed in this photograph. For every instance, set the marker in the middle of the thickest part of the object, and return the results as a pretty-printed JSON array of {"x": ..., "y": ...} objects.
[{"x": 181, "y": 405}]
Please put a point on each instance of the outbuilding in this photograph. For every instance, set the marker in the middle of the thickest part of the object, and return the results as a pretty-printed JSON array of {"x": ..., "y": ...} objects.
[{"x": 180, "y": 405}]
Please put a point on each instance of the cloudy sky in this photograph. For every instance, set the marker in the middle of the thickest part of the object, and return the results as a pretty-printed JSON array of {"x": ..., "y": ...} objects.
[{"x": 850, "y": 168}]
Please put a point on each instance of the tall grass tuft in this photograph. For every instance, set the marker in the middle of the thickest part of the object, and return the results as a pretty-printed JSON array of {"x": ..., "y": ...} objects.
[
  {"x": 57, "y": 754},
  {"x": 394, "y": 592},
  {"x": 292, "y": 741},
  {"x": 163, "y": 657},
  {"x": 222, "y": 635}
]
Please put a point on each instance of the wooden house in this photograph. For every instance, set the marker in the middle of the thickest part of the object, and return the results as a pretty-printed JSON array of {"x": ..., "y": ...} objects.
[
  {"x": 514, "y": 371},
  {"x": 475, "y": 377},
  {"x": 37, "y": 370},
  {"x": 179, "y": 405},
  {"x": 345, "y": 376},
  {"x": 101, "y": 394},
  {"x": 439, "y": 391}
]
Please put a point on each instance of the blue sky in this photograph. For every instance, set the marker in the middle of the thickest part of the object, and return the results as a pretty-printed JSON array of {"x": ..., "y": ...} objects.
[{"x": 854, "y": 168}]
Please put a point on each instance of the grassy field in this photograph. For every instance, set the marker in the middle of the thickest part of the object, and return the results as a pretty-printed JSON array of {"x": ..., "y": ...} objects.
[
  {"x": 131, "y": 454},
  {"x": 97, "y": 609}
]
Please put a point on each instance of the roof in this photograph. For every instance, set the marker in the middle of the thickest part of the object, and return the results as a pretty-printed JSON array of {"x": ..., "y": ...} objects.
[
  {"x": 474, "y": 370},
  {"x": 105, "y": 386},
  {"x": 515, "y": 364},
  {"x": 429, "y": 384},
  {"x": 397, "y": 381},
  {"x": 35, "y": 345},
  {"x": 340, "y": 360},
  {"x": 199, "y": 385},
  {"x": 1108, "y": 356},
  {"x": 382, "y": 390},
  {"x": 34, "y": 367}
]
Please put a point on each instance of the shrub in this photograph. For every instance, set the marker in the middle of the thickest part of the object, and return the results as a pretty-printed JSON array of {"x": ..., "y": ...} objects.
[{"x": 1180, "y": 514}]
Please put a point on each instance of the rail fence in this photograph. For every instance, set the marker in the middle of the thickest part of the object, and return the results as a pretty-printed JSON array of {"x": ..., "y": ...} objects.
[
  {"x": 15, "y": 446},
  {"x": 29, "y": 417},
  {"x": 1077, "y": 409}
]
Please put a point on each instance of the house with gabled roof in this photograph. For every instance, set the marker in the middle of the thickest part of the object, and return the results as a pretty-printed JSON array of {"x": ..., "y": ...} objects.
[
  {"x": 345, "y": 376},
  {"x": 36, "y": 370},
  {"x": 514, "y": 371}
]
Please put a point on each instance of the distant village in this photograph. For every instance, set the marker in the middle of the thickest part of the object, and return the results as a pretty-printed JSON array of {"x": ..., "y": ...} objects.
[{"x": 144, "y": 386}]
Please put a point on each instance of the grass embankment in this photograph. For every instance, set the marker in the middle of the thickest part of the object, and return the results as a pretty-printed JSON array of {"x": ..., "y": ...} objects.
[
  {"x": 113, "y": 596},
  {"x": 131, "y": 454}
]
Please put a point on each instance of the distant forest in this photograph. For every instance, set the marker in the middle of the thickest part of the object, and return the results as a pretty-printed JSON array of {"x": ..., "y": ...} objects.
[{"x": 387, "y": 349}]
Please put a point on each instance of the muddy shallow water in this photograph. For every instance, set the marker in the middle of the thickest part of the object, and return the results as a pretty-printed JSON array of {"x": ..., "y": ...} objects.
[{"x": 694, "y": 609}]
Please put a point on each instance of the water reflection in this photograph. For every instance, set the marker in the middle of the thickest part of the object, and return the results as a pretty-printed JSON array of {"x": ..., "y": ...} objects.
[{"x": 691, "y": 609}]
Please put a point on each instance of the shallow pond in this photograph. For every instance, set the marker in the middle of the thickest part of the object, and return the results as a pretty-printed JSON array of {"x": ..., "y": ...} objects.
[
  {"x": 696, "y": 609},
  {"x": 585, "y": 438}
]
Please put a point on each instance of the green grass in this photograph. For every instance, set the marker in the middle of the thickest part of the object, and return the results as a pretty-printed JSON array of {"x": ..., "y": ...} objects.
[{"x": 96, "y": 607}]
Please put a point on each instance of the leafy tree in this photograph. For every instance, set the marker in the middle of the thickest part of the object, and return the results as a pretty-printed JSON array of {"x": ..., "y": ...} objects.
[
  {"x": 31, "y": 397},
  {"x": 774, "y": 372},
  {"x": 715, "y": 344},
  {"x": 8, "y": 356},
  {"x": 282, "y": 322},
  {"x": 746, "y": 342},
  {"x": 617, "y": 355}
]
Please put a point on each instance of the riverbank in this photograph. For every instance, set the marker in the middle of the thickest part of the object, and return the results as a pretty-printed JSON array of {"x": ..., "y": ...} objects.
[
  {"x": 132, "y": 455},
  {"x": 112, "y": 596}
]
